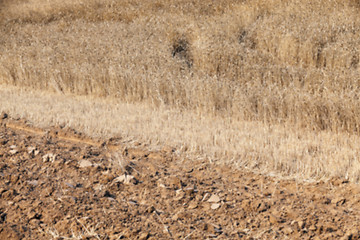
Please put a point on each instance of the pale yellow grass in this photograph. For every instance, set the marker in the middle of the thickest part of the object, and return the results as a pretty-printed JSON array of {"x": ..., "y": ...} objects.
[
  {"x": 270, "y": 85},
  {"x": 275, "y": 150},
  {"x": 294, "y": 62}
]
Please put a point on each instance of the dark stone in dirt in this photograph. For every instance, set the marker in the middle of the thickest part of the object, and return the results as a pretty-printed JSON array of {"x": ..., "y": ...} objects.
[
  {"x": 109, "y": 195},
  {"x": 2, "y": 217},
  {"x": 144, "y": 236},
  {"x": 4, "y": 115}
]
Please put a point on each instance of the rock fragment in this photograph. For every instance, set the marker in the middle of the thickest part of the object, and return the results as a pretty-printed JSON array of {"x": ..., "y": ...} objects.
[
  {"x": 85, "y": 164},
  {"x": 144, "y": 236},
  {"x": 215, "y": 206},
  {"x": 192, "y": 205},
  {"x": 33, "y": 151},
  {"x": 179, "y": 195},
  {"x": 301, "y": 224},
  {"x": 312, "y": 228},
  {"x": 126, "y": 179},
  {"x": 174, "y": 182},
  {"x": 33, "y": 182},
  {"x": 214, "y": 199},
  {"x": 49, "y": 157},
  {"x": 13, "y": 151},
  {"x": 288, "y": 230},
  {"x": 273, "y": 219},
  {"x": 4, "y": 115}
]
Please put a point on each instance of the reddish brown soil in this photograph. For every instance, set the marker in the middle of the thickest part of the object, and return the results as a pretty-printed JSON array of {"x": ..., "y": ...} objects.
[{"x": 79, "y": 193}]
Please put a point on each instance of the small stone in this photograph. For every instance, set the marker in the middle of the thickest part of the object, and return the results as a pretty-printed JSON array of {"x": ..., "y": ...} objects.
[
  {"x": 189, "y": 190},
  {"x": 70, "y": 185},
  {"x": 33, "y": 182},
  {"x": 32, "y": 150},
  {"x": 175, "y": 217},
  {"x": 2, "y": 217},
  {"x": 288, "y": 230},
  {"x": 179, "y": 195},
  {"x": 126, "y": 179},
  {"x": 13, "y": 151},
  {"x": 4, "y": 115},
  {"x": 98, "y": 187},
  {"x": 215, "y": 206},
  {"x": 144, "y": 236},
  {"x": 301, "y": 224},
  {"x": 214, "y": 199},
  {"x": 85, "y": 163},
  {"x": 174, "y": 182},
  {"x": 107, "y": 194},
  {"x": 273, "y": 219},
  {"x": 49, "y": 157},
  {"x": 192, "y": 205},
  {"x": 312, "y": 228}
]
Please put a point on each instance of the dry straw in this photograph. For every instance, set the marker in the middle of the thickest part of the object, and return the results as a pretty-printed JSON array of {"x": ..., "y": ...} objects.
[{"x": 294, "y": 63}]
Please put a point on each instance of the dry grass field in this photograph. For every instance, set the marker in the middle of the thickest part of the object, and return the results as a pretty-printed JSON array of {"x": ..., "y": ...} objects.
[
  {"x": 182, "y": 119},
  {"x": 269, "y": 85}
]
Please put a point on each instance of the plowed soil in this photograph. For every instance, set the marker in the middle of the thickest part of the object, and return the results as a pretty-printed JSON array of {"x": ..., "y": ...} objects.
[{"x": 57, "y": 185}]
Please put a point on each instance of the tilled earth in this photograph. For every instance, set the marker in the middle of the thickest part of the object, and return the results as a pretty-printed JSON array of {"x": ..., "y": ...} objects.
[{"x": 62, "y": 188}]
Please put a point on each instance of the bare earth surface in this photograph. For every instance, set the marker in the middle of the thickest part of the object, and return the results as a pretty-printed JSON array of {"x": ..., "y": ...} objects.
[{"x": 57, "y": 185}]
